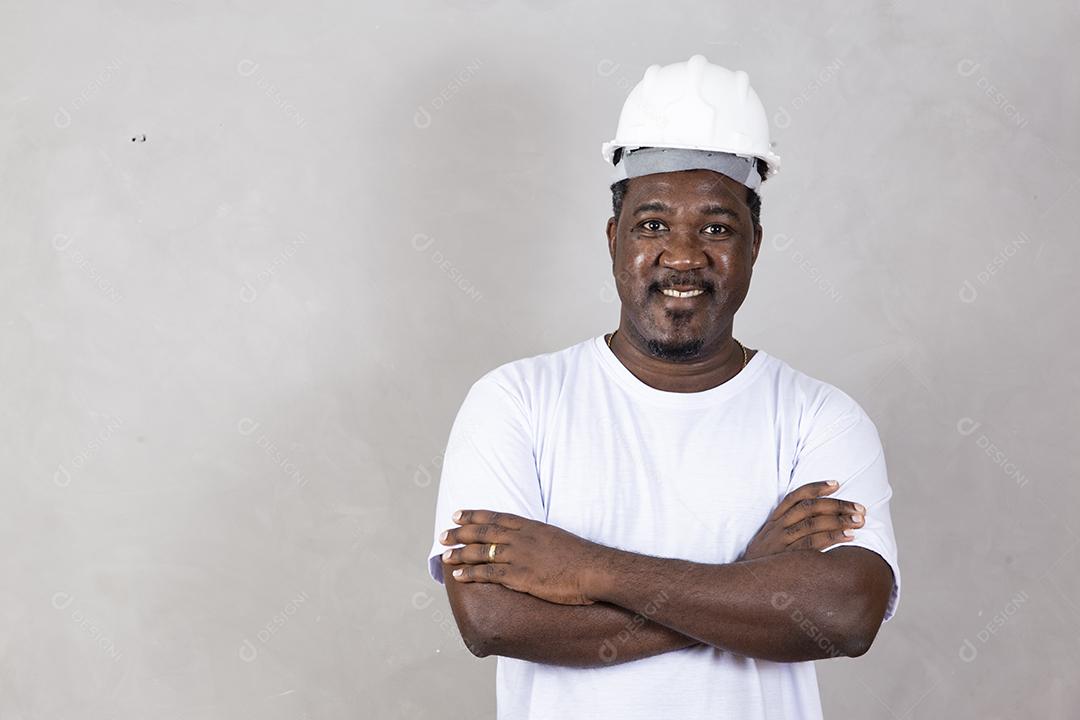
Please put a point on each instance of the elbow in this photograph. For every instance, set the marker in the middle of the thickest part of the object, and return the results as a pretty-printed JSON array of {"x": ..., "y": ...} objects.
[
  {"x": 474, "y": 613},
  {"x": 857, "y": 645},
  {"x": 484, "y": 641},
  {"x": 487, "y": 636},
  {"x": 864, "y": 604},
  {"x": 860, "y": 634},
  {"x": 477, "y": 639},
  {"x": 476, "y": 645}
]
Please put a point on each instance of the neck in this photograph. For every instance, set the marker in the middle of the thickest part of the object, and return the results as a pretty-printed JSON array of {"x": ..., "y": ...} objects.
[{"x": 718, "y": 363}]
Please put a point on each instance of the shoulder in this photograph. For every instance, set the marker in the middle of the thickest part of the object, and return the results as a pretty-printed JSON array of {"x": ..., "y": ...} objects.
[
  {"x": 822, "y": 409},
  {"x": 528, "y": 380}
]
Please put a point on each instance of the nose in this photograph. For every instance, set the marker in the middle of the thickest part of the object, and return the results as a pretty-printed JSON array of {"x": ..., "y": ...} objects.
[{"x": 683, "y": 252}]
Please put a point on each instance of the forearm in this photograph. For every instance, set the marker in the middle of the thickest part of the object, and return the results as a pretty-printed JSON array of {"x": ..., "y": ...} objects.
[
  {"x": 518, "y": 625},
  {"x": 789, "y": 607},
  {"x": 583, "y": 635}
]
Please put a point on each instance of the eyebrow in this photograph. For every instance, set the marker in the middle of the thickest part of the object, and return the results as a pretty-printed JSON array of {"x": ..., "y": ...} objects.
[{"x": 657, "y": 206}]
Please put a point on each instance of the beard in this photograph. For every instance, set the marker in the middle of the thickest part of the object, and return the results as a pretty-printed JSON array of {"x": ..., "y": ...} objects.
[{"x": 676, "y": 350}]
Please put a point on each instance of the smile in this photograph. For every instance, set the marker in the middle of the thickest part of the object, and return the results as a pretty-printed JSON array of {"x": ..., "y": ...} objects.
[{"x": 678, "y": 294}]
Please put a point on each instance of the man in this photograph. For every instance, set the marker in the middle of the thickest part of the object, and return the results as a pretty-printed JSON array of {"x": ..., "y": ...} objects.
[{"x": 661, "y": 522}]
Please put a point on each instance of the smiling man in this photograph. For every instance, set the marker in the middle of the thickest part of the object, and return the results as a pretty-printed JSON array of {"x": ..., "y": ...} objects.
[{"x": 661, "y": 522}]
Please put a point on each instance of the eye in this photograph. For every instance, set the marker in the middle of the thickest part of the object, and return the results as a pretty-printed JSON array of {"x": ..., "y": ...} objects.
[
  {"x": 723, "y": 229},
  {"x": 658, "y": 226}
]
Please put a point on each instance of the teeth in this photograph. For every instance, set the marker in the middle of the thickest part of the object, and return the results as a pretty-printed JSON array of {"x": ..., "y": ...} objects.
[{"x": 676, "y": 293}]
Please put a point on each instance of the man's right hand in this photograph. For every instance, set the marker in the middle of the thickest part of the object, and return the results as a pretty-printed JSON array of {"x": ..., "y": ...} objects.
[{"x": 805, "y": 520}]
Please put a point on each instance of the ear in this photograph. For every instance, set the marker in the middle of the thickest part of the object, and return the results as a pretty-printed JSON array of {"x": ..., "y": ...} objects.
[
  {"x": 612, "y": 229},
  {"x": 758, "y": 232}
]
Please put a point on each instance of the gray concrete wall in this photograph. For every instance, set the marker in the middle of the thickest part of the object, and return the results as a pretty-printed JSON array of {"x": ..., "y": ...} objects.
[{"x": 254, "y": 253}]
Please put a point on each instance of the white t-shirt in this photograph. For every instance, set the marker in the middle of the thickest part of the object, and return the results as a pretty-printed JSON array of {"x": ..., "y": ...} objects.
[{"x": 574, "y": 439}]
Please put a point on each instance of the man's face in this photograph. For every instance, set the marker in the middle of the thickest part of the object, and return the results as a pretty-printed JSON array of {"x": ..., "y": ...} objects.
[{"x": 689, "y": 231}]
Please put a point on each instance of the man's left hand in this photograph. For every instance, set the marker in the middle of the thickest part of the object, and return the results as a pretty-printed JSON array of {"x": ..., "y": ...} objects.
[{"x": 530, "y": 556}]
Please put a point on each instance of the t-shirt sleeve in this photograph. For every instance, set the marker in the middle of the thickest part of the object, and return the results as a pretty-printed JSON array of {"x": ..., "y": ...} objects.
[
  {"x": 843, "y": 445},
  {"x": 489, "y": 463}
]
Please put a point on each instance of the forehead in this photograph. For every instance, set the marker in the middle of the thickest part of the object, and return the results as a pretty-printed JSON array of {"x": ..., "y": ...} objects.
[{"x": 686, "y": 186}]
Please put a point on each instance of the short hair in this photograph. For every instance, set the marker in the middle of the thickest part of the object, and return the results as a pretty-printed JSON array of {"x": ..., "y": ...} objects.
[{"x": 753, "y": 199}]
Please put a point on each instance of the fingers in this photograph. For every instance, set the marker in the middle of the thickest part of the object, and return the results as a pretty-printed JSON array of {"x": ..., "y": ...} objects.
[
  {"x": 811, "y": 507},
  {"x": 476, "y": 554},
  {"x": 805, "y": 492},
  {"x": 489, "y": 517},
  {"x": 467, "y": 534},
  {"x": 481, "y": 526},
  {"x": 490, "y": 573},
  {"x": 815, "y": 524},
  {"x": 821, "y": 540}
]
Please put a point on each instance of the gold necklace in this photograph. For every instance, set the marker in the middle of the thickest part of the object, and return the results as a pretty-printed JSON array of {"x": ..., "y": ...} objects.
[{"x": 744, "y": 356}]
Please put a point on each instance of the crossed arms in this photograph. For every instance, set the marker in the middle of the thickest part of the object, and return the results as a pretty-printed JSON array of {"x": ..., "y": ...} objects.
[{"x": 550, "y": 596}]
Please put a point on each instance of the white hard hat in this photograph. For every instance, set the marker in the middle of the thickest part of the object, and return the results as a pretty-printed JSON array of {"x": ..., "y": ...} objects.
[{"x": 695, "y": 105}]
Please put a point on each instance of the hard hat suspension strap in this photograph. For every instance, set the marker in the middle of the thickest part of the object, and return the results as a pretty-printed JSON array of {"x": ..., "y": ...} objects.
[{"x": 647, "y": 160}]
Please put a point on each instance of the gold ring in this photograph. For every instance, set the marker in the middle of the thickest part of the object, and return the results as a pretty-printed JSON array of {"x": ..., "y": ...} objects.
[{"x": 491, "y": 552}]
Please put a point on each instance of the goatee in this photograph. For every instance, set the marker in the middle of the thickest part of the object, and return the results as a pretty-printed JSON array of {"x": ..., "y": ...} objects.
[{"x": 675, "y": 351}]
